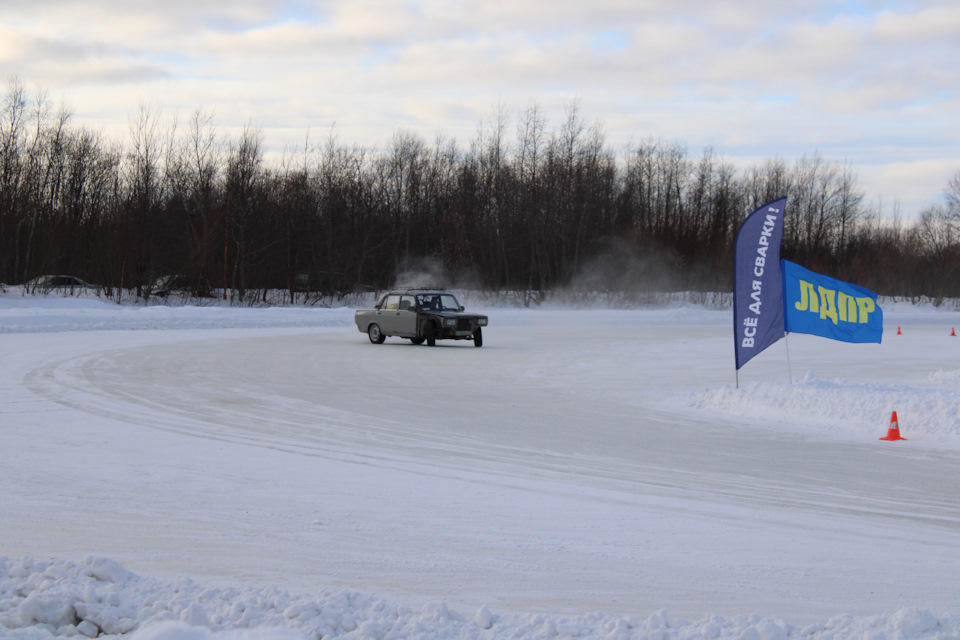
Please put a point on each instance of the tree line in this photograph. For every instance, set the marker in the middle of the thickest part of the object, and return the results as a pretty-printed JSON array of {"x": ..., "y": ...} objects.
[{"x": 520, "y": 207}]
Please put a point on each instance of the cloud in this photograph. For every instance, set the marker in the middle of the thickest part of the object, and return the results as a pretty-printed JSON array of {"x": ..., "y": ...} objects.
[
  {"x": 937, "y": 23},
  {"x": 750, "y": 78},
  {"x": 913, "y": 185}
]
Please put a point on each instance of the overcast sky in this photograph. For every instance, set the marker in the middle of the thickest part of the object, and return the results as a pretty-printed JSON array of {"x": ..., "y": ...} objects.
[{"x": 872, "y": 83}]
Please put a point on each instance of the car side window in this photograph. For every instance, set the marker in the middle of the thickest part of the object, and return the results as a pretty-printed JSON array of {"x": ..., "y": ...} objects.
[
  {"x": 408, "y": 303},
  {"x": 392, "y": 302}
]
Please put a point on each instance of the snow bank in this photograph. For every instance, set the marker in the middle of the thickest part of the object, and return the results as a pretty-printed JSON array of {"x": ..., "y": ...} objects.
[
  {"x": 38, "y": 314},
  {"x": 846, "y": 409},
  {"x": 97, "y": 597}
]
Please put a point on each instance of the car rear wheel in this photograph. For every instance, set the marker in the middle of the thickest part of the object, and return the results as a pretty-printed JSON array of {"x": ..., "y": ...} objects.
[
  {"x": 416, "y": 340},
  {"x": 375, "y": 334},
  {"x": 478, "y": 337}
]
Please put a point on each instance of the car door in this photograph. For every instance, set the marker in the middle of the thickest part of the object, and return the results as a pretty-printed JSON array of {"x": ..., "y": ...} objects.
[
  {"x": 387, "y": 314},
  {"x": 406, "y": 318}
]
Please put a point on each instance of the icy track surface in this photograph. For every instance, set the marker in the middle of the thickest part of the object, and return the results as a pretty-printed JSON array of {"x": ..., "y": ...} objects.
[{"x": 195, "y": 472}]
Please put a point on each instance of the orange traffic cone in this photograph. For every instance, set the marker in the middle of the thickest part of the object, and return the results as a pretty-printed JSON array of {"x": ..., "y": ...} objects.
[
  {"x": 953, "y": 332},
  {"x": 898, "y": 331},
  {"x": 893, "y": 433}
]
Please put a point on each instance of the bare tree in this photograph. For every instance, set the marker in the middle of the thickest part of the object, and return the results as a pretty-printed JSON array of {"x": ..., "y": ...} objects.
[
  {"x": 143, "y": 176},
  {"x": 952, "y": 196},
  {"x": 850, "y": 206},
  {"x": 243, "y": 183}
]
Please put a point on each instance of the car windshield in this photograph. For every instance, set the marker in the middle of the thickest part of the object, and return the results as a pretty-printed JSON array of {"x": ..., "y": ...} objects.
[{"x": 438, "y": 302}]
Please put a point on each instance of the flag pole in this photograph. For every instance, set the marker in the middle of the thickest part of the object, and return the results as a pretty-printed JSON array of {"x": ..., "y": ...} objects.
[{"x": 786, "y": 343}]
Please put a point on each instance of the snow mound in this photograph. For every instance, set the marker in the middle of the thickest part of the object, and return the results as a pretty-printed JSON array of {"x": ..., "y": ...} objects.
[
  {"x": 845, "y": 409},
  {"x": 97, "y": 597},
  {"x": 38, "y": 314}
]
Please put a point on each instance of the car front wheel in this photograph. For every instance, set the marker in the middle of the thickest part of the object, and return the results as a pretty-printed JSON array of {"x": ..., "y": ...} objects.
[
  {"x": 430, "y": 333},
  {"x": 375, "y": 334},
  {"x": 478, "y": 337}
]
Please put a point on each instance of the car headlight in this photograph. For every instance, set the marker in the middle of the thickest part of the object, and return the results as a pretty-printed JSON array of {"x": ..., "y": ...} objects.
[
  {"x": 449, "y": 322},
  {"x": 482, "y": 322}
]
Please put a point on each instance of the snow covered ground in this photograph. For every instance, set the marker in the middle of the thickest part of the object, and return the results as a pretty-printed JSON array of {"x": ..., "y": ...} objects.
[{"x": 193, "y": 472}]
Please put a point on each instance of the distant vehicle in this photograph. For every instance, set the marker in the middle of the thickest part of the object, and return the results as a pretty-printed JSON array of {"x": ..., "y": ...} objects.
[
  {"x": 184, "y": 285},
  {"x": 56, "y": 283},
  {"x": 420, "y": 315},
  {"x": 319, "y": 282}
]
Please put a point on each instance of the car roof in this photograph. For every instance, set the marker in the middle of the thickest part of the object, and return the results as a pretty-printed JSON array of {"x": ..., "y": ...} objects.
[{"x": 419, "y": 290}]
